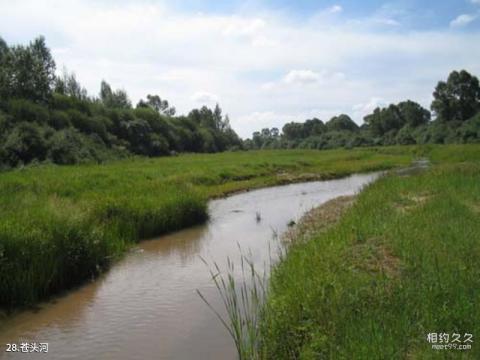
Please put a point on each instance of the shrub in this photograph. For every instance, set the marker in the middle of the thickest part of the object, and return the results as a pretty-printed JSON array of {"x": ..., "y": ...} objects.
[
  {"x": 25, "y": 110},
  {"x": 25, "y": 143},
  {"x": 59, "y": 120}
]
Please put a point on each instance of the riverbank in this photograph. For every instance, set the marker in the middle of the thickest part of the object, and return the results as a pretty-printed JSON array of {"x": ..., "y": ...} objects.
[
  {"x": 400, "y": 264},
  {"x": 63, "y": 225}
]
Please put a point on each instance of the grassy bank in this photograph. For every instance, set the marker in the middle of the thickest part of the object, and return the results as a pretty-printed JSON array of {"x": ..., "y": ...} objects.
[
  {"x": 62, "y": 225},
  {"x": 402, "y": 262}
]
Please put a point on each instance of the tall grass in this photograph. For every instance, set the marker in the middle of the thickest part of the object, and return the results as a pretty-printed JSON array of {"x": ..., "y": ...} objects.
[
  {"x": 242, "y": 297},
  {"x": 61, "y": 225},
  {"x": 402, "y": 263}
]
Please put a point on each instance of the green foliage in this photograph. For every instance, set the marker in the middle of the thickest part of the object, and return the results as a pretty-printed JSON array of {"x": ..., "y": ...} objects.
[
  {"x": 156, "y": 103},
  {"x": 68, "y": 85},
  {"x": 413, "y": 114},
  {"x": 25, "y": 143},
  {"x": 405, "y": 136},
  {"x": 26, "y": 110},
  {"x": 399, "y": 265},
  {"x": 114, "y": 99},
  {"x": 405, "y": 123},
  {"x": 341, "y": 123},
  {"x": 293, "y": 131},
  {"x": 59, "y": 120},
  {"x": 313, "y": 127},
  {"x": 26, "y": 72},
  {"x": 458, "y": 99},
  {"x": 60, "y": 225},
  {"x": 97, "y": 129}
]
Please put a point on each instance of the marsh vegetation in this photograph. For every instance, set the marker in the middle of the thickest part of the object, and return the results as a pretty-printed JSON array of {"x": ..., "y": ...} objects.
[
  {"x": 61, "y": 225},
  {"x": 372, "y": 276}
]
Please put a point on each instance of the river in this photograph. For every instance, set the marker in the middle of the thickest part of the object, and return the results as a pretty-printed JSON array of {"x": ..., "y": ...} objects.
[{"x": 146, "y": 305}]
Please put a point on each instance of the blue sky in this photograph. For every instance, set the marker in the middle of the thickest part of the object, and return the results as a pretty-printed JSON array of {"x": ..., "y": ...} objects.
[
  {"x": 266, "y": 62},
  {"x": 414, "y": 14}
]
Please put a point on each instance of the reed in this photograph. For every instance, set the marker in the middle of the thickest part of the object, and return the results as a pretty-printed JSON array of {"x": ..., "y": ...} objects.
[{"x": 242, "y": 293}]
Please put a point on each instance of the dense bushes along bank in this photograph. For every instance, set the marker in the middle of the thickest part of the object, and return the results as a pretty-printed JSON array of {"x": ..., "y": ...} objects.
[
  {"x": 60, "y": 225},
  {"x": 402, "y": 263},
  {"x": 45, "y": 117}
]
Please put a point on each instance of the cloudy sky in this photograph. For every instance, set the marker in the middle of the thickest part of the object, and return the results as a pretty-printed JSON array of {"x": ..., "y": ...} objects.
[{"x": 266, "y": 62}]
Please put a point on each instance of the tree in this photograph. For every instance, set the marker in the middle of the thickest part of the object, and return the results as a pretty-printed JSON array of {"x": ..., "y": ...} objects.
[
  {"x": 384, "y": 120},
  {"x": 458, "y": 99},
  {"x": 3, "y": 49},
  {"x": 257, "y": 139},
  {"x": 226, "y": 124},
  {"x": 27, "y": 72},
  {"x": 114, "y": 99},
  {"x": 156, "y": 103},
  {"x": 293, "y": 131},
  {"x": 67, "y": 84},
  {"x": 395, "y": 117},
  {"x": 313, "y": 127},
  {"x": 341, "y": 122},
  {"x": 413, "y": 113},
  {"x": 217, "y": 117}
]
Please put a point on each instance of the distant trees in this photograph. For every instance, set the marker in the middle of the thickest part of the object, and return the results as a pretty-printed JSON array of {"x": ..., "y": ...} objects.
[{"x": 456, "y": 105}]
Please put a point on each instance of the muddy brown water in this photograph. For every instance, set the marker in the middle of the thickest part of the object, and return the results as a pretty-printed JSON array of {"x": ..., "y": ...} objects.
[{"x": 146, "y": 305}]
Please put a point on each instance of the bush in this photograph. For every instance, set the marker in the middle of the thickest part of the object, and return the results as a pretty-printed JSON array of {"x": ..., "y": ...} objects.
[
  {"x": 25, "y": 143},
  {"x": 88, "y": 125},
  {"x": 59, "y": 120},
  {"x": 405, "y": 136},
  {"x": 64, "y": 102},
  {"x": 470, "y": 130},
  {"x": 25, "y": 110}
]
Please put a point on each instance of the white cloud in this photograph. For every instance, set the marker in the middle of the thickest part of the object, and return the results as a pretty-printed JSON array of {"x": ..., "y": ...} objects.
[
  {"x": 301, "y": 77},
  {"x": 244, "y": 27},
  {"x": 476, "y": 2},
  {"x": 462, "y": 20},
  {"x": 253, "y": 63},
  {"x": 204, "y": 98},
  {"x": 252, "y": 30}
]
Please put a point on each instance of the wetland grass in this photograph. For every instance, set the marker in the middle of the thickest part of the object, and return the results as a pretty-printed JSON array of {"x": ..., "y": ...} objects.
[
  {"x": 62, "y": 225},
  {"x": 370, "y": 278},
  {"x": 402, "y": 263}
]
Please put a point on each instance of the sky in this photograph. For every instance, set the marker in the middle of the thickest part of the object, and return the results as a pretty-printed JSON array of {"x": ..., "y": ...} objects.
[{"x": 265, "y": 62}]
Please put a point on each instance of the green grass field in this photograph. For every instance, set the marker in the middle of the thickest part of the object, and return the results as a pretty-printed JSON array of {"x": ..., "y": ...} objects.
[
  {"x": 61, "y": 225},
  {"x": 403, "y": 262}
]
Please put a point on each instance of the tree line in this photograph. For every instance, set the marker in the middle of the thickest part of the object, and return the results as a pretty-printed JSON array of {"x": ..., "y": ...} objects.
[
  {"x": 454, "y": 118},
  {"x": 45, "y": 117}
]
